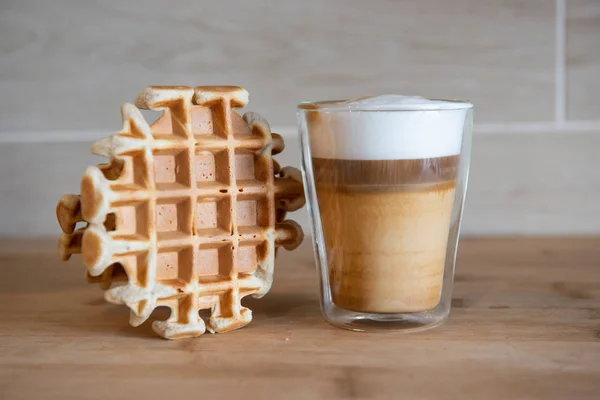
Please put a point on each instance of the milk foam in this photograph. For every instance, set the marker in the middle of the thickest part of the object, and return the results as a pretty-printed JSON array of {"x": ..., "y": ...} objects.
[{"x": 387, "y": 127}]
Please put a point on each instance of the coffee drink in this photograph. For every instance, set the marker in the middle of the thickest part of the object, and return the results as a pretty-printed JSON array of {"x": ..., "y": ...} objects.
[
  {"x": 386, "y": 234},
  {"x": 385, "y": 185}
]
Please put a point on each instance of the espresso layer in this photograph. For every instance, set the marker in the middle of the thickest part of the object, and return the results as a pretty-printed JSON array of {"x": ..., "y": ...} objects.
[{"x": 384, "y": 172}]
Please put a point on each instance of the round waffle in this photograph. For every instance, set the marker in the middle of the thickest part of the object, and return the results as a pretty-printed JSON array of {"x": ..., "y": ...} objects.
[{"x": 188, "y": 213}]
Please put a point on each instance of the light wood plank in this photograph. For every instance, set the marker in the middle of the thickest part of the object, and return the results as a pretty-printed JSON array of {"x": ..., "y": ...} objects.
[
  {"x": 526, "y": 184},
  {"x": 534, "y": 184},
  {"x": 583, "y": 59},
  {"x": 70, "y": 65}
]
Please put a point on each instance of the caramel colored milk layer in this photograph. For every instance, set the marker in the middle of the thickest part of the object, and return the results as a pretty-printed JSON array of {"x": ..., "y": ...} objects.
[{"x": 386, "y": 226}]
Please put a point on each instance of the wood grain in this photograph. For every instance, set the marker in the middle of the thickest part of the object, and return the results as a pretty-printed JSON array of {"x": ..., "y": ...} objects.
[
  {"x": 70, "y": 64},
  {"x": 525, "y": 325},
  {"x": 583, "y": 59}
]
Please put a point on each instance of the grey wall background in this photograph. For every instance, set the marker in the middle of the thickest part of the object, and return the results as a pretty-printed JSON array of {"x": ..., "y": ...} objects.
[{"x": 532, "y": 68}]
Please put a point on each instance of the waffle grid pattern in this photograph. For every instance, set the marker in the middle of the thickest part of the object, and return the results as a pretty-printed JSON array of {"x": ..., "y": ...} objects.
[{"x": 188, "y": 207}]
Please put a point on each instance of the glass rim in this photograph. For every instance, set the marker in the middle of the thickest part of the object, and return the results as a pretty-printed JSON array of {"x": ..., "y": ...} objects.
[{"x": 346, "y": 106}]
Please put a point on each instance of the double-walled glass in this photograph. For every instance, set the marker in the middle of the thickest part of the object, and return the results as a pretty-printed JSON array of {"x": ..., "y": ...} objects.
[{"x": 385, "y": 183}]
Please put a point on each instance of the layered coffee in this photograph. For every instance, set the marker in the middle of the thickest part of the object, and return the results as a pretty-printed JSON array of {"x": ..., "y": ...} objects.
[
  {"x": 385, "y": 225},
  {"x": 385, "y": 185}
]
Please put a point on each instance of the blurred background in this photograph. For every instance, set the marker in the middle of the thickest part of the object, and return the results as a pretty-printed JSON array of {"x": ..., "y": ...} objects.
[{"x": 531, "y": 67}]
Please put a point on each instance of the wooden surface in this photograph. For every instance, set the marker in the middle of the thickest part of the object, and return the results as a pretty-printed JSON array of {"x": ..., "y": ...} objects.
[{"x": 525, "y": 325}]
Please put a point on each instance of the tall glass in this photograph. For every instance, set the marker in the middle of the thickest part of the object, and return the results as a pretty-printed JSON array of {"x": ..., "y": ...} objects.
[{"x": 385, "y": 180}]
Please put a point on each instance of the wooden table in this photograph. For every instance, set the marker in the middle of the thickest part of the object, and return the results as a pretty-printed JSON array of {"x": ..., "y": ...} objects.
[{"x": 525, "y": 325}]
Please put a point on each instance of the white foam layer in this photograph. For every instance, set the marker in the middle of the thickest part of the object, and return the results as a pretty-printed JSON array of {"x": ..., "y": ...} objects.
[{"x": 387, "y": 127}]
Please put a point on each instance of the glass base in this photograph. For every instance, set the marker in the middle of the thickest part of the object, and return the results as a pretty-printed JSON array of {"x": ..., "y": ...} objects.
[{"x": 374, "y": 322}]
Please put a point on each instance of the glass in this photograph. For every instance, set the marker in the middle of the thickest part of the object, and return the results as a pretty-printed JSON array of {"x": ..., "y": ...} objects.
[{"x": 385, "y": 180}]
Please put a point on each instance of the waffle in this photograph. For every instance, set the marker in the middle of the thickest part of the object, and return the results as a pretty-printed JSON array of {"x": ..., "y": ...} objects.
[{"x": 188, "y": 213}]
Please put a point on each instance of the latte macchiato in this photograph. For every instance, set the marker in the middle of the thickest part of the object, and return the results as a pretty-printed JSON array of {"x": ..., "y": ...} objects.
[
  {"x": 385, "y": 183},
  {"x": 386, "y": 234}
]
